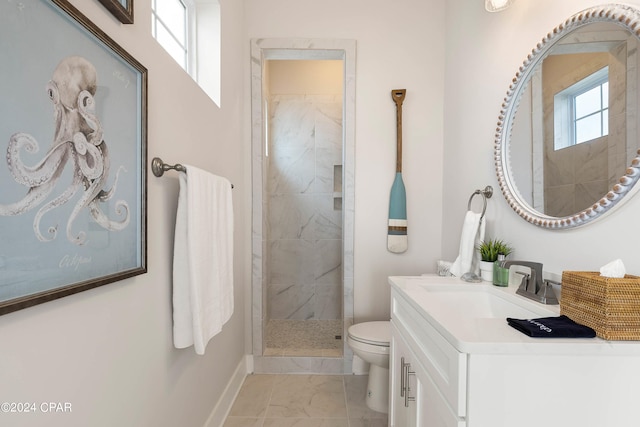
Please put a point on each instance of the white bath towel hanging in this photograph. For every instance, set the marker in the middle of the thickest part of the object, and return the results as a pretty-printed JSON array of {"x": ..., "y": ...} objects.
[
  {"x": 202, "y": 259},
  {"x": 472, "y": 234}
]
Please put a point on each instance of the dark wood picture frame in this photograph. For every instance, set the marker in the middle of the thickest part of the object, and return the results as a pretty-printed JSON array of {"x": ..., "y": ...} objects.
[
  {"x": 105, "y": 238},
  {"x": 121, "y": 9}
]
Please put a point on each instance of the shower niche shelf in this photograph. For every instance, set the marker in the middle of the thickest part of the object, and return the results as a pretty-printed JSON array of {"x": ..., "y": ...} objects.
[{"x": 337, "y": 187}]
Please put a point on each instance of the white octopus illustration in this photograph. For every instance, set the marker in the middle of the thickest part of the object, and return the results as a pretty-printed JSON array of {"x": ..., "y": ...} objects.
[{"x": 78, "y": 142}]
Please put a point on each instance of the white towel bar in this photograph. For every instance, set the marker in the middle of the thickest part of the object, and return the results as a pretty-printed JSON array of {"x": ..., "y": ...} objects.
[{"x": 158, "y": 167}]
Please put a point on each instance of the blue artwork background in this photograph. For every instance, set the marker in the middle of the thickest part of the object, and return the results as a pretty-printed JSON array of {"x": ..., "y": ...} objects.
[{"x": 34, "y": 37}]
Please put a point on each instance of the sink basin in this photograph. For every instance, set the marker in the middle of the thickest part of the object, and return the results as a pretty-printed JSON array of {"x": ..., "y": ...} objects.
[
  {"x": 473, "y": 302},
  {"x": 469, "y": 313}
]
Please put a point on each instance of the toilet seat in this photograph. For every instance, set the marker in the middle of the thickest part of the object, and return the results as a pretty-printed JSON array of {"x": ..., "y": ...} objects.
[{"x": 371, "y": 333}]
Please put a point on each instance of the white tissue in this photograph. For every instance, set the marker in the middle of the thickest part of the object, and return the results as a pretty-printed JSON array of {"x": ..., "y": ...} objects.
[{"x": 613, "y": 269}]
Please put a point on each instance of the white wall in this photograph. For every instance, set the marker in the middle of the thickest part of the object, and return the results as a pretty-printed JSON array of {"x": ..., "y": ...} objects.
[
  {"x": 483, "y": 53},
  {"x": 108, "y": 351},
  {"x": 399, "y": 45}
]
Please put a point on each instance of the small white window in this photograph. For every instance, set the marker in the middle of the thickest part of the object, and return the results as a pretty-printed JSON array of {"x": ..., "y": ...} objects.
[
  {"x": 581, "y": 111},
  {"x": 170, "y": 26},
  {"x": 177, "y": 24}
]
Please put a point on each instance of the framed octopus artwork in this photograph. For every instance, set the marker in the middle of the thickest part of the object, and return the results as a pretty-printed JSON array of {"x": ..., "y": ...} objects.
[{"x": 73, "y": 123}]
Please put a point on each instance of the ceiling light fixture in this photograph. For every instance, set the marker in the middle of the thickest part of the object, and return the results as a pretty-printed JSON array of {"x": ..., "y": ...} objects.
[{"x": 497, "y": 5}]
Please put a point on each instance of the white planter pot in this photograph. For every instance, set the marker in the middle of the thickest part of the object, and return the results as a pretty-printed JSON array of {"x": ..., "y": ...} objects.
[{"x": 486, "y": 271}]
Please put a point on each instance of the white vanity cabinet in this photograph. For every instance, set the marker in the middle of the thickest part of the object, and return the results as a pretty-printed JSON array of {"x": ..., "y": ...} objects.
[
  {"x": 462, "y": 365},
  {"x": 405, "y": 387},
  {"x": 427, "y": 375},
  {"x": 415, "y": 399}
]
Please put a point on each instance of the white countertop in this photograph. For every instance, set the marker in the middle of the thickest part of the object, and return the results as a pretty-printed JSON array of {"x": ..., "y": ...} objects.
[{"x": 456, "y": 309}]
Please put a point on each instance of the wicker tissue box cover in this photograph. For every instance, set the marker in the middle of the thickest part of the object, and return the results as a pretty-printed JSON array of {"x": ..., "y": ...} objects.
[{"x": 607, "y": 305}]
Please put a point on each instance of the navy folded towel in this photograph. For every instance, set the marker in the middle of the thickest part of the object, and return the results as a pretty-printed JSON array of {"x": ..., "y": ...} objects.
[{"x": 552, "y": 327}]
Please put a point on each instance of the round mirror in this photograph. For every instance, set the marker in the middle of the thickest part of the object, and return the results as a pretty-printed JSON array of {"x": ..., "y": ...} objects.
[{"x": 567, "y": 148}]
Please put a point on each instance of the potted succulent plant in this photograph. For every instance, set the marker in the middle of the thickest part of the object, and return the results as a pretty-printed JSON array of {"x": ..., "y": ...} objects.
[{"x": 490, "y": 251}]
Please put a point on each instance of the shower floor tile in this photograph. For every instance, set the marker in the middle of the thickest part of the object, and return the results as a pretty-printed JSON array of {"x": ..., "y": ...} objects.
[{"x": 303, "y": 338}]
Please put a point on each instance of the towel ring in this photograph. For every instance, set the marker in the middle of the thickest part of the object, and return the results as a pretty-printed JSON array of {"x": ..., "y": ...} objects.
[{"x": 486, "y": 194}]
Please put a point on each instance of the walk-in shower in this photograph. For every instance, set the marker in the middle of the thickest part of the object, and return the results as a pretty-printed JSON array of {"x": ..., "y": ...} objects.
[
  {"x": 303, "y": 207},
  {"x": 302, "y": 142}
]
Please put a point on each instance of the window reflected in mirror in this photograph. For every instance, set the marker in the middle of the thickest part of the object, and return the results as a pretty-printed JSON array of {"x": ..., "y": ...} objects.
[{"x": 581, "y": 111}]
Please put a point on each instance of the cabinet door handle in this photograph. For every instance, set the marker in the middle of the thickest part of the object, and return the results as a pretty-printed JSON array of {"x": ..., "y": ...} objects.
[
  {"x": 405, "y": 387},
  {"x": 408, "y": 398},
  {"x": 402, "y": 376}
]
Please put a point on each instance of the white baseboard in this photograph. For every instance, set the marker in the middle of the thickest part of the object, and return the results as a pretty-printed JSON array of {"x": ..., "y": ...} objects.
[
  {"x": 249, "y": 359},
  {"x": 222, "y": 408}
]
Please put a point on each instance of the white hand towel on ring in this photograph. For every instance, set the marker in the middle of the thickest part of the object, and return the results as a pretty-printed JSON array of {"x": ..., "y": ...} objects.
[{"x": 472, "y": 234}]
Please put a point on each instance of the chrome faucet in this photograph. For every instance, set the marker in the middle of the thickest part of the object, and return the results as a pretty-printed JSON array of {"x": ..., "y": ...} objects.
[{"x": 533, "y": 286}]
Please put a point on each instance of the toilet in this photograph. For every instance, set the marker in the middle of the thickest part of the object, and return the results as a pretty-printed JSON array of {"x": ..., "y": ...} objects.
[{"x": 370, "y": 342}]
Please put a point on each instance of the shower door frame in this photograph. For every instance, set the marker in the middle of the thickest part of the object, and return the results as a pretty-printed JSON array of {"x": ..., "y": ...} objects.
[{"x": 301, "y": 49}]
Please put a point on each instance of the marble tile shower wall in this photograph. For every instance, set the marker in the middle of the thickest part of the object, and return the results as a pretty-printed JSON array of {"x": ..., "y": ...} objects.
[{"x": 304, "y": 220}]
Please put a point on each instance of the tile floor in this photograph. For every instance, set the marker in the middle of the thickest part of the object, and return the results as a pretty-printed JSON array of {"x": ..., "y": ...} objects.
[{"x": 303, "y": 401}]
